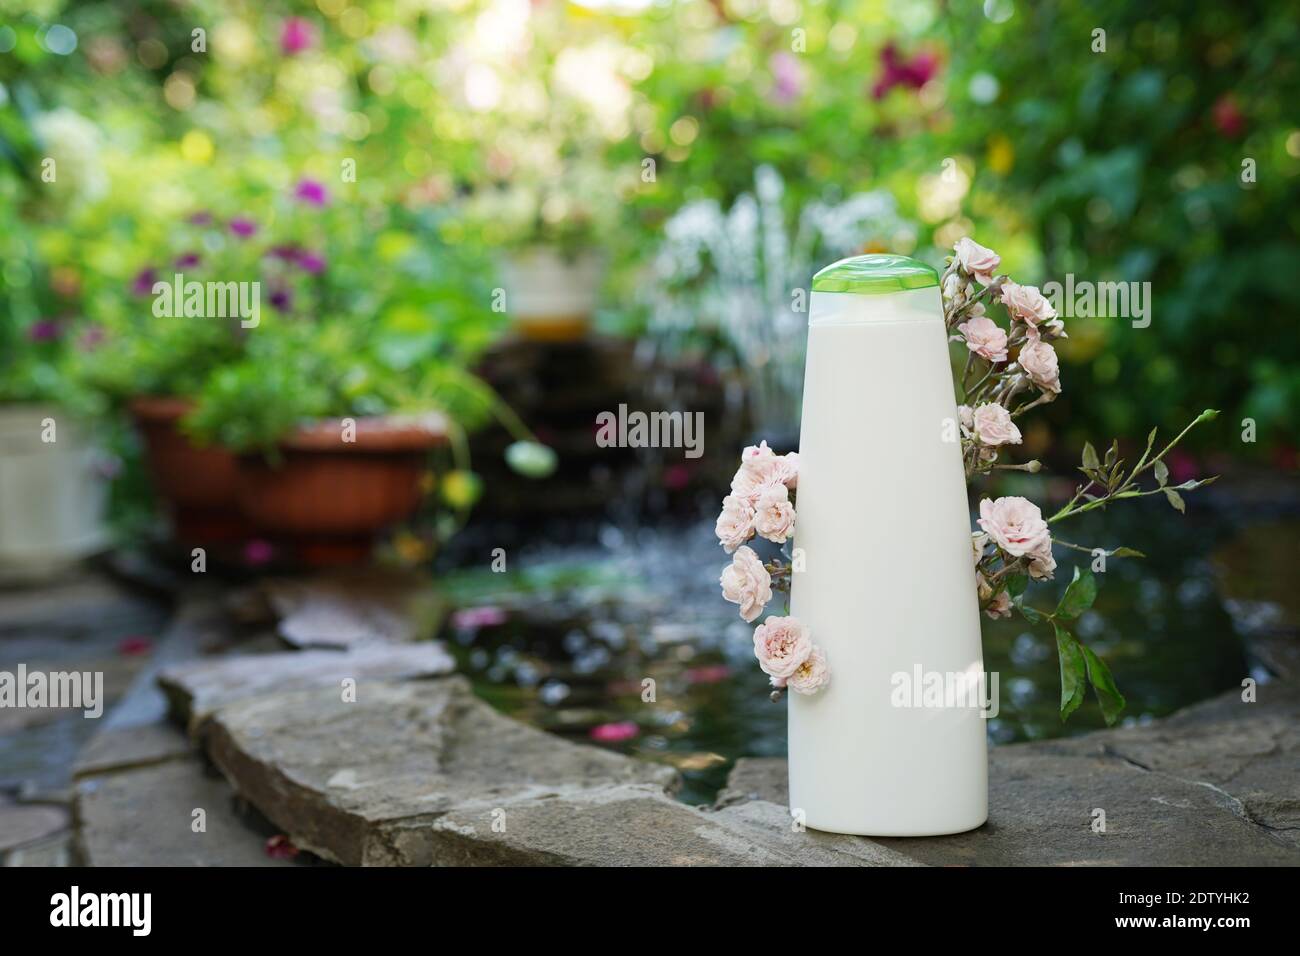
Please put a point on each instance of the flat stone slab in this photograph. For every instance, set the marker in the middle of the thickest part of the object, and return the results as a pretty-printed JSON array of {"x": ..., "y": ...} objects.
[
  {"x": 144, "y": 817},
  {"x": 635, "y": 825},
  {"x": 124, "y": 748},
  {"x": 1216, "y": 784},
  {"x": 355, "y": 608},
  {"x": 424, "y": 773},
  {"x": 198, "y": 689},
  {"x": 26, "y": 823},
  {"x": 362, "y": 783}
]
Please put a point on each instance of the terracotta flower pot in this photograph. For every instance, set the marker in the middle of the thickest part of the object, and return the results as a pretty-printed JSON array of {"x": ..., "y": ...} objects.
[
  {"x": 197, "y": 484},
  {"x": 327, "y": 497}
]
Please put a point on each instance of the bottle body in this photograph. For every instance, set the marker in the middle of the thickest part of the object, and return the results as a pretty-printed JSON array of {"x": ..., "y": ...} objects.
[{"x": 888, "y": 586}]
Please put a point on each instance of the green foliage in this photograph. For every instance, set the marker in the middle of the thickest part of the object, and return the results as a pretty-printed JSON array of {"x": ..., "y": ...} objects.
[{"x": 1128, "y": 165}]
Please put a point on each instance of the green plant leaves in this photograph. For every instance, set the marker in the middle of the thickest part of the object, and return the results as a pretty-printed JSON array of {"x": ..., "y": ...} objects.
[
  {"x": 1108, "y": 696},
  {"x": 1080, "y": 666},
  {"x": 1074, "y": 672},
  {"x": 1078, "y": 597},
  {"x": 1162, "y": 472}
]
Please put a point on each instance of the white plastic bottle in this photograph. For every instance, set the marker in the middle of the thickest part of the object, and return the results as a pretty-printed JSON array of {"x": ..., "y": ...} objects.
[{"x": 888, "y": 587}]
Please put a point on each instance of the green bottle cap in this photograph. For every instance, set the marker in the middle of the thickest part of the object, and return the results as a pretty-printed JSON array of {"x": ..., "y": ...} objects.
[{"x": 871, "y": 275}]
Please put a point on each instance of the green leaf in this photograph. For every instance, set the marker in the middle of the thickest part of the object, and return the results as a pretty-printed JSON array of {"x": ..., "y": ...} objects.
[
  {"x": 1030, "y": 614},
  {"x": 1090, "y": 462},
  {"x": 1016, "y": 585},
  {"x": 1176, "y": 500},
  {"x": 1209, "y": 415},
  {"x": 1108, "y": 696},
  {"x": 1078, "y": 597},
  {"x": 1112, "y": 454},
  {"x": 1127, "y": 553},
  {"x": 1074, "y": 672},
  {"x": 1162, "y": 473}
]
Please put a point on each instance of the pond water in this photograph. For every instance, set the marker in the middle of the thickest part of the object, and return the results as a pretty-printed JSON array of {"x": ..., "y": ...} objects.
[{"x": 566, "y": 638}]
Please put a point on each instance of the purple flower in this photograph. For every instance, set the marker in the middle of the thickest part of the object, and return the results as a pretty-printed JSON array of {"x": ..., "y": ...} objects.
[
  {"x": 312, "y": 262},
  {"x": 243, "y": 227},
  {"x": 188, "y": 260},
  {"x": 287, "y": 253},
  {"x": 91, "y": 339},
  {"x": 143, "y": 282},
  {"x": 200, "y": 218},
  {"x": 45, "y": 330},
  {"x": 282, "y": 299},
  {"x": 896, "y": 71},
  {"x": 257, "y": 551},
  {"x": 787, "y": 77},
  {"x": 296, "y": 35},
  {"x": 311, "y": 191}
]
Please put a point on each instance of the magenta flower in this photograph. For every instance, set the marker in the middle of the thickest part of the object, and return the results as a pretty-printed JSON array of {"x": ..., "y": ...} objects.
[
  {"x": 787, "y": 77},
  {"x": 44, "y": 330},
  {"x": 200, "y": 218},
  {"x": 243, "y": 227},
  {"x": 312, "y": 262},
  {"x": 188, "y": 260},
  {"x": 896, "y": 71},
  {"x": 312, "y": 192},
  {"x": 257, "y": 551},
  {"x": 143, "y": 282},
  {"x": 614, "y": 733},
  {"x": 281, "y": 299},
  {"x": 296, "y": 36},
  {"x": 286, "y": 253}
]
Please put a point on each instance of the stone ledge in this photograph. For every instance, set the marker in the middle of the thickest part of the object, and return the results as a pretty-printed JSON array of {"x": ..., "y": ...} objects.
[
  {"x": 1215, "y": 784},
  {"x": 197, "y": 690},
  {"x": 362, "y": 783}
]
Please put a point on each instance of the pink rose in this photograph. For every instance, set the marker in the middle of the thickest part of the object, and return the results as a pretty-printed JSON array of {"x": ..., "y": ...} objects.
[
  {"x": 978, "y": 542},
  {"x": 758, "y": 473},
  {"x": 1016, "y": 525},
  {"x": 1039, "y": 361},
  {"x": 774, "y": 515},
  {"x": 966, "y": 418},
  {"x": 756, "y": 451},
  {"x": 746, "y": 582},
  {"x": 985, "y": 338},
  {"x": 790, "y": 469},
  {"x": 781, "y": 644},
  {"x": 1000, "y": 606},
  {"x": 812, "y": 675},
  {"x": 735, "y": 525},
  {"x": 1026, "y": 303},
  {"x": 994, "y": 426},
  {"x": 1042, "y": 565},
  {"x": 976, "y": 259}
]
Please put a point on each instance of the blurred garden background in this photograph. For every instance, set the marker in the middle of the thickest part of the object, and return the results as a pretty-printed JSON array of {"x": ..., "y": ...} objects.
[{"x": 496, "y": 218}]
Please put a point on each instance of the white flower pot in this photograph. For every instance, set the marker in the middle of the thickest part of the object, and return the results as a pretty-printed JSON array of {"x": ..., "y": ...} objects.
[
  {"x": 52, "y": 496},
  {"x": 888, "y": 587},
  {"x": 551, "y": 297}
]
